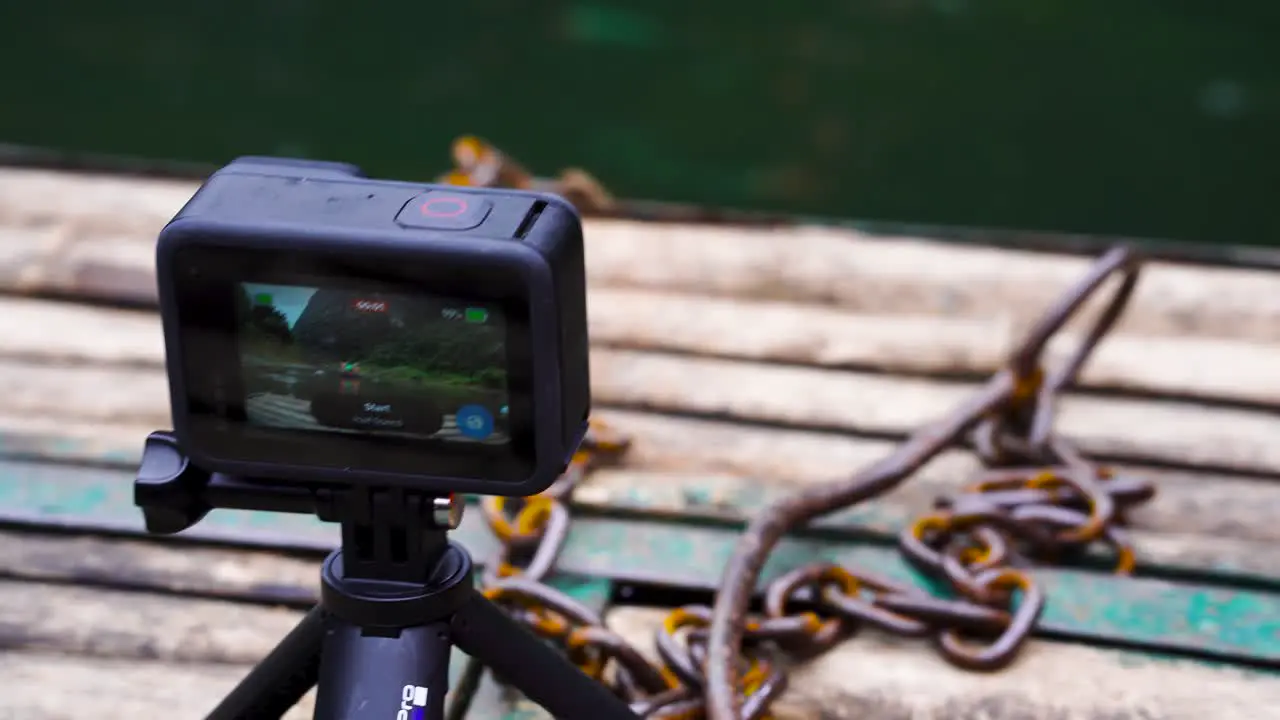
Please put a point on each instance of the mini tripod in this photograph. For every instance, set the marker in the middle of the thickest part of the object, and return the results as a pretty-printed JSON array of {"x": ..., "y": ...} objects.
[{"x": 393, "y": 600}]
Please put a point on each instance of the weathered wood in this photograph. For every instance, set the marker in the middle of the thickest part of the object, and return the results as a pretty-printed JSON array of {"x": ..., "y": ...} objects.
[
  {"x": 1207, "y": 618},
  {"x": 843, "y": 268},
  {"x": 875, "y": 404},
  {"x": 59, "y": 687},
  {"x": 1199, "y": 523},
  {"x": 84, "y": 393},
  {"x": 738, "y": 498},
  {"x": 41, "y": 331},
  {"x": 711, "y": 463},
  {"x": 139, "y": 398},
  {"x": 687, "y": 453},
  {"x": 901, "y": 306},
  {"x": 1143, "y": 430},
  {"x": 871, "y": 677},
  {"x": 830, "y": 337},
  {"x": 72, "y": 440},
  {"x": 150, "y": 565},
  {"x": 1247, "y": 372},
  {"x": 72, "y": 620},
  {"x": 54, "y": 222},
  {"x": 867, "y": 677},
  {"x": 140, "y": 655}
]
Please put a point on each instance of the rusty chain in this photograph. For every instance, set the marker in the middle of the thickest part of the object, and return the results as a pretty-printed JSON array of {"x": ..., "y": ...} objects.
[{"x": 1038, "y": 500}]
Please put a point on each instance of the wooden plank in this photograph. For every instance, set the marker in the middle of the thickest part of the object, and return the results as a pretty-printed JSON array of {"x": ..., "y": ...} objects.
[
  {"x": 1130, "y": 612},
  {"x": 148, "y": 565},
  {"x": 71, "y": 620},
  {"x": 40, "y": 331},
  {"x": 88, "y": 499},
  {"x": 872, "y": 677},
  {"x": 1180, "y": 617},
  {"x": 1166, "y": 432},
  {"x": 703, "y": 463},
  {"x": 859, "y": 403},
  {"x": 131, "y": 339},
  {"x": 148, "y": 650},
  {"x": 60, "y": 687},
  {"x": 795, "y": 333},
  {"x": 165, "y": 656},
  {"x": 209, "y": 572},
  {"x": 1243, "y": 372},
  {"x": 870, "y": 274},
  {"x": 1210, "y": 558},
  {"x": 1199, "y": 524},
  {"x": 685, "y": 453},
  {"x": 71, "y": 440},
  {"x": 54, "y": 222}
]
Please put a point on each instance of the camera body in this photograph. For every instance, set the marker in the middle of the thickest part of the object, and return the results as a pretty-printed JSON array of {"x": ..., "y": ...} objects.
[{"x": 326, "y": 328}]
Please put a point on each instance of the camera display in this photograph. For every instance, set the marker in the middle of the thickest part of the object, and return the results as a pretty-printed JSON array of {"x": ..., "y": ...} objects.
[
  {"x": 337, "y": 360},
  {"x": 328, "y": 329}
]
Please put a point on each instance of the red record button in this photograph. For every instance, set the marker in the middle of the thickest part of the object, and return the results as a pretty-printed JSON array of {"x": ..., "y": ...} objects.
[{"x": 439, "y": 210}]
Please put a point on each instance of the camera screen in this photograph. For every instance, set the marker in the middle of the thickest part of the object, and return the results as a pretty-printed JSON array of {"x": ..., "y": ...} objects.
[{"x": 341, "y": 361}]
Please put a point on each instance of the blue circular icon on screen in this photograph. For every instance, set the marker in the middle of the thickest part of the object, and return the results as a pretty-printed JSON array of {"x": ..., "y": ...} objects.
[{"x": 475, "y": 422}]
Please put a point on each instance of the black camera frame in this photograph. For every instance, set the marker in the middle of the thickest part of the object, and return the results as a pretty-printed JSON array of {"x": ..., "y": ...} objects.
[{"x": 303, "y": 222}]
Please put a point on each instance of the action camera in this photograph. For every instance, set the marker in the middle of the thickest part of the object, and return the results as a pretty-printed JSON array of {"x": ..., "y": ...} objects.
[{"x": 324, "y": 327}]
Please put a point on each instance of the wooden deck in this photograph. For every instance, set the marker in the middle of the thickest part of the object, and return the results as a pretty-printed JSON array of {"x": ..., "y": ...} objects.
[{"x": 744, "y": 364}]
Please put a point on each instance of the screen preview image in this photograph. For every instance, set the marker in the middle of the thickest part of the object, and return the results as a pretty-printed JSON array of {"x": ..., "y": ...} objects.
[{"x": 345, "y": 361}]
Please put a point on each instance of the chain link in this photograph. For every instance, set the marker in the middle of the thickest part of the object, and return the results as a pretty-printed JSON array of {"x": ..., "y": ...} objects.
[{"x": 1038, "y": 501}]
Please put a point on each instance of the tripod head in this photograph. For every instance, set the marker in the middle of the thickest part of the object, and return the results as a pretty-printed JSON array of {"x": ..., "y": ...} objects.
[
  {"x": 392, "y": 600},
  {"x": 387, "y": 533}
]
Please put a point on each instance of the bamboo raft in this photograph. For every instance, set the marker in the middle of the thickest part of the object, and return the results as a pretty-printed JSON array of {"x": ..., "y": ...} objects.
[{"x": 744, "y": 363}]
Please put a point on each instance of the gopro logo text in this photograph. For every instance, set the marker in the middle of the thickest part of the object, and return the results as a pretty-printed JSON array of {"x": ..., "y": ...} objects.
[{"x": 413, "y": 701}]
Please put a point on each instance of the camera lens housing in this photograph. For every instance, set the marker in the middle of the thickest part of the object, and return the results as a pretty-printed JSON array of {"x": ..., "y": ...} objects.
[{"x": 326, "y": 328}]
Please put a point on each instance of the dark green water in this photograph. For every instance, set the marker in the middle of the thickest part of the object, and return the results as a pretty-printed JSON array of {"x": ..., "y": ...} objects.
[{"x": 1137, "y": 118}]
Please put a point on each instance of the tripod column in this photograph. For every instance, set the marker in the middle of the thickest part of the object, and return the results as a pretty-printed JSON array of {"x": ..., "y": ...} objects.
[
  {"x": 365, "y": 676},
  {"x": 389, "y": 595}
]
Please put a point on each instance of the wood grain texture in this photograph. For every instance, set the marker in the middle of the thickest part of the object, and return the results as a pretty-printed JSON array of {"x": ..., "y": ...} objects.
[
  {"x": 871, "y": 677},
  {"x": 73, "y": 620},
  {"x": 737, "y": 303},
  {"x": 1214, "y": 527},
  {"x": 150, "y": 652},
  {"x": 881, "y": 404},
  {"x": 795, "y": 333},
  {"x": 1243, "y": 372},
  {"x": 141, "y": 654},
  {"x": 69, "y": 687},
  {"x": 156, "y": 565},
  {"x": 105, "y": 365},
  {"x": 55, "y": 220},
  {"x": 773, "y": 461},
  {"x": 138, "y": 398},
  {"x": 842, "y": 268}
]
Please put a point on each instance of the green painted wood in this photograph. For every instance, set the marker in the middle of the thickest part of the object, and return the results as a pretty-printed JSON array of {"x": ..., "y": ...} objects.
[
  {"x": 733, "y": 500},
  {"x": 1135, "y": 118},
  {"x": 712, "y": 499},
  {"x": 1143, "y": 613}
]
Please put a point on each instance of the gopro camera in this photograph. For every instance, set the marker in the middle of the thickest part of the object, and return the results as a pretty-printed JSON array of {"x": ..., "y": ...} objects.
[{"x": 327, "y": 328}]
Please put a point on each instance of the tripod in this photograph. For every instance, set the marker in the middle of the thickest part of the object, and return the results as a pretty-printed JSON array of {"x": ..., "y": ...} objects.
[{"x": 394, "y": 599}]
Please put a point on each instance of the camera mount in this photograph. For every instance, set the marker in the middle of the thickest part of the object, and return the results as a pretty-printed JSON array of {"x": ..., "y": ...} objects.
[{"x": 395, "y": 597}]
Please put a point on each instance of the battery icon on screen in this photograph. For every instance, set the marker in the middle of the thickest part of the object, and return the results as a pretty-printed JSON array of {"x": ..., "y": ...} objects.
[{"x": 477, "y": 315}]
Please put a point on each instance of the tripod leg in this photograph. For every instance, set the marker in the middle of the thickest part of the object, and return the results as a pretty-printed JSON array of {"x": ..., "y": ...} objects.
[
  {"x": 370, "y": 677},
  {"x": 545, "y": 676},
  {"x": 464, "y": 692},
  {"x": 282, "y": 678}
]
